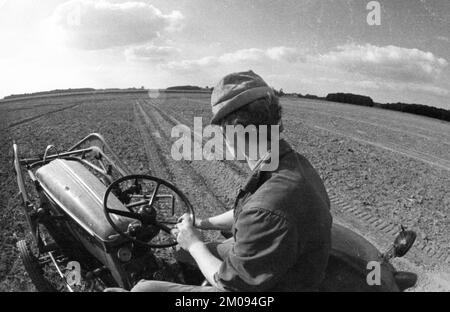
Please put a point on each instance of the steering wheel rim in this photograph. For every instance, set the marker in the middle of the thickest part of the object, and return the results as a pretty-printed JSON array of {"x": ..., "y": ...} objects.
[{"x": 133, "y": 215}]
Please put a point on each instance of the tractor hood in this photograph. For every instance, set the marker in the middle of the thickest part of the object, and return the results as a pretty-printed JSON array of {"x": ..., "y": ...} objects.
[{"x": 80, "y": 194}]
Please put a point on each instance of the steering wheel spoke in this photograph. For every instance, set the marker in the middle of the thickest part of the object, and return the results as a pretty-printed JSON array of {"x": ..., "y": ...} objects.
[
  {"x": 127, "y": 214},
  {"x": 155, "y": 191},
  {"x": 167, "y": 222},
  {"x": 137, "y": 204},
  {"x": 151, "y": 213},
  {"x": 163, "y": 227}
]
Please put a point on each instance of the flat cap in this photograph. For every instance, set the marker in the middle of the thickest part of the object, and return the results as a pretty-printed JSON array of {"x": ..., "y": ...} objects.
[{"x": 235, "y": 91}]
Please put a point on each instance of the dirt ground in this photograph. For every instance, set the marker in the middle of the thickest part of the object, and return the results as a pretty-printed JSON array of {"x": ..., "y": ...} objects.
[{"x": 382, "y": 169}]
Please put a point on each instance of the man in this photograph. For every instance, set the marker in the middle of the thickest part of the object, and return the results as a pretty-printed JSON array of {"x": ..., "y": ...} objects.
[{"x": 280, "y": 222}]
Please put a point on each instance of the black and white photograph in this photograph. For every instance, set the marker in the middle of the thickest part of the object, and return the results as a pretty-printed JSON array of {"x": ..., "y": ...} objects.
[{"x": 224, "y": 151}]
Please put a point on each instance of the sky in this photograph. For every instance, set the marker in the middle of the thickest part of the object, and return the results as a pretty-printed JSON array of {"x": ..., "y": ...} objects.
[{"x": 305, "y": 46}]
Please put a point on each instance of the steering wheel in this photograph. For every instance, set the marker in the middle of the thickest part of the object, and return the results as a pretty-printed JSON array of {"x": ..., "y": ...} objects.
[{"x": 147, "y": 210}]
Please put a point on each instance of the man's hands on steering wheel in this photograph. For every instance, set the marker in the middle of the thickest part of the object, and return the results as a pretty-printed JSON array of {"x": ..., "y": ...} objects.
[
  {"x": 185, "y": 232},
  {"x": 149, "y": 206}
]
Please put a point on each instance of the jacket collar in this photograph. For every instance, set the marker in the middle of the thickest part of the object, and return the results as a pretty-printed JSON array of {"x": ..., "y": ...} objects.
[{"x": 257, "y": 176}]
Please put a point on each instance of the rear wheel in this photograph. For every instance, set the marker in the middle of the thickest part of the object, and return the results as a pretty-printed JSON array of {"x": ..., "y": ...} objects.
[{"x": 34, "y": 270}]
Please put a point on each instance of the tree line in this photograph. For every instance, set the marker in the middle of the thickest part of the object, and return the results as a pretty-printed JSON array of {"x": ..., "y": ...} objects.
[{"x": 356, "y": 99}]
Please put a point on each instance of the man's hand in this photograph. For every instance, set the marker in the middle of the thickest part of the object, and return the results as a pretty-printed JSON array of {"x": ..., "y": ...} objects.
[
  {"x": 190, "y": 240},
  {"x": 199, "y": 224},
  {"x": 187, "y": 236}
]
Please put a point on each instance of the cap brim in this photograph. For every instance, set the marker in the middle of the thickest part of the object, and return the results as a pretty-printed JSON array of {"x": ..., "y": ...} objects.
[{"x": 225, "y": 108}]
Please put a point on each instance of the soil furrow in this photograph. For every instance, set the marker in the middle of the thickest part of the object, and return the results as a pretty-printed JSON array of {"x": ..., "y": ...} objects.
[
  {"x": 385, "y": 231},
  {"x": 17, "y": 109},
  {"x": 382, "y": 137},
  {"x": 408, "y": 153},
  {"x": 180, "y": 120},
  {"x": 26, "y": 120},
  {"x": 223, "y": 181},
  {"x": 184, "y": 176},
  {"x": 155, "y": 166},
  {"x": 297, "y": 107},
  {"x": 378, "y": 125},
  {"x": 377, "y": 115}
]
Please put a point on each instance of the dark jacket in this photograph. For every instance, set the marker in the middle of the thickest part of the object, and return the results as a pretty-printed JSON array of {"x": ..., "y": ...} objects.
[{"x": 282, "y": 229}]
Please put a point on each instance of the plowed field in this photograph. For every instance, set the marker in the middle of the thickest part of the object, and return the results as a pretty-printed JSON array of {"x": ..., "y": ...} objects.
[{"x": 382, "y": 169}]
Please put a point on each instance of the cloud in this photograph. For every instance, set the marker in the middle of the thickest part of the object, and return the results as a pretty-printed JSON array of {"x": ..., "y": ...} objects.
[
  {"x": 443, "y": 38},
  {"x": 373, "y": 68},
  {"x": 380, "y": 85},
  {"x": 92, "y": 25},
  {"x": 150, "y": 53},
  {"x": 252, "y": 55},
  {"x": 388, "y": 62},
  {"x": 418, "y": 88},
  {"x": 286, "y": 54},
  {"x": 387, "y": 68}
]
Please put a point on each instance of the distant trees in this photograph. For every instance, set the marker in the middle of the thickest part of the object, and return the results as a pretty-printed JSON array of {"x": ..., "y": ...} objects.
[
  {"x": 185, "y": 88},
  {"x": 57, "y": 91},
  {"x": 350, "y": 99},
  {"x": 418, "y": 109}
]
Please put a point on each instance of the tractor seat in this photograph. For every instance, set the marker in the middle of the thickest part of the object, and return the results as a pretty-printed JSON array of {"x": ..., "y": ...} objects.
[{"x": 79, "y": 193}]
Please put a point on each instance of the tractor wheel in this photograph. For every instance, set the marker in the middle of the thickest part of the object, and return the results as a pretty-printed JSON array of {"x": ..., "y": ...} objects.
[{"x": 34, "y": 270}]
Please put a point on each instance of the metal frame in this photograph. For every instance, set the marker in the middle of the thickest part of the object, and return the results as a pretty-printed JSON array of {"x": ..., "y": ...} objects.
[{"x": 104, "y": 167}]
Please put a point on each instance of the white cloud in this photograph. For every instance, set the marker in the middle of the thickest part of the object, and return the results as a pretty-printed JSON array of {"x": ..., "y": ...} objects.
[
  {"x": 414, "y": 87},
  {"x": 91, "y": 25},
  {"x": 150, "y": 53},
  {"x": 375, "y": 68},
  {"x": 285, "y": 54},
  {"x": 381, "y": 85},
  {"x": 252, "y": 55},
  {"x": 443, "y": 38},
  {"x": 388, "y": 62}
]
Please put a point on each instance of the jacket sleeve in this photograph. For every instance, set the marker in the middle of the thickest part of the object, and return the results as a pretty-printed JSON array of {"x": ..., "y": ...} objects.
[{"x": 265, "y": 248}]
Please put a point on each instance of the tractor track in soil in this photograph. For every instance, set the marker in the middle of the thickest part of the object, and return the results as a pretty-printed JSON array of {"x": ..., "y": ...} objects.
[
  {"x": 179, "y": 120},
  {"x": 398, "y": 148},
  {"x": 33, "y": 118},
  {"x": 223, "y": 181},
  {"x": 386, "y": 232},
  {"x": 370, "y": 122},
  {"x": 180, "y": 173},
  {"x": 155, "y": 164},
  {"x": 17, "y": 109},
  {"x": 420, "y": 156},
  {"x": 377, "y": 118}
]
